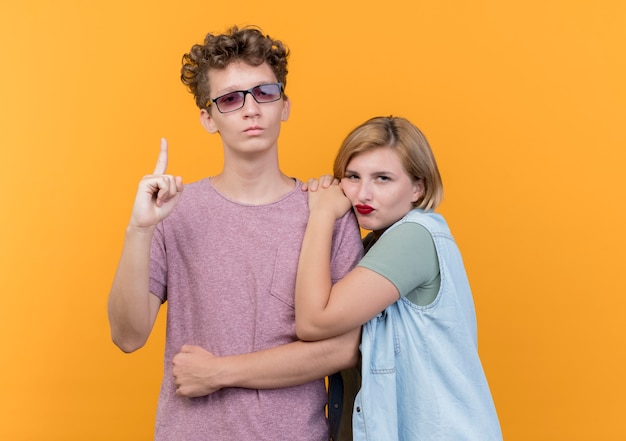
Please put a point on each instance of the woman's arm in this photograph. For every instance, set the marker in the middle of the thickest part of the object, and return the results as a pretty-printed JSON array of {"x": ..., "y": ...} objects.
[
  {"x": 324, "y": 310},
  {"x": 197, "y": 372}
]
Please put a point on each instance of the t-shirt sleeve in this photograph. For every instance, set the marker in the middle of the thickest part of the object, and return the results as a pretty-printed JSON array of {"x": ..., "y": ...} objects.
[
  {"x": 158, "y": 266},
  {"x": 406, "y": 256},
  {"x": 347, "y": 247}
]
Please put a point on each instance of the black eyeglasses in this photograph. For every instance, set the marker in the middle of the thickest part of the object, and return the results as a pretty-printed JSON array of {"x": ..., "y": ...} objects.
[{"x": 263, "y": 93}]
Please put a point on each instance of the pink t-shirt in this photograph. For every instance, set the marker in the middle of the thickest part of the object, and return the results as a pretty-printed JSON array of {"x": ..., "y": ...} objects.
[{"x": 227, "y": 271}]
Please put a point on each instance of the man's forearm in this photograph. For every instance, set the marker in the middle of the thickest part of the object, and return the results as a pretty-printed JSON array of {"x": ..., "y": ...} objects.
[{"x": 131, "y": 307}]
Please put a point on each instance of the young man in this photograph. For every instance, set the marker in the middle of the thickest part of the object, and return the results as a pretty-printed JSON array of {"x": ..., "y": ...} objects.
[{"x": 224, "y": 255}]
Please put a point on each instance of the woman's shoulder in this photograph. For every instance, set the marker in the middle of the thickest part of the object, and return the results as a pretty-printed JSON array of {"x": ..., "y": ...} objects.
[{"x": 433, "y": 222}]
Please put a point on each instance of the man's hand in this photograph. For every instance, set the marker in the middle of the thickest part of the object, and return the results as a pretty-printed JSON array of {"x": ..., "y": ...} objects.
[
  {"x": 157, "y": 194},
  {"x": 195, "y": 372}
]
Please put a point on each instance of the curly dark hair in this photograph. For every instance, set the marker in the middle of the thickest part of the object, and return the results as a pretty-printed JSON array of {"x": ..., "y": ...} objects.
[{"x": 247, "y": 44}]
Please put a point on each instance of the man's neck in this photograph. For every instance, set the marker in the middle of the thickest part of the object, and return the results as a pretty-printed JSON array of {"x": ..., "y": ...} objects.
[{"x": 252, "y": 185}]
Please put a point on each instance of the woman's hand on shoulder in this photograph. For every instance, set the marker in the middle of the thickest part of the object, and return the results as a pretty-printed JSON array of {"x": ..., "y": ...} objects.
[
  {"x": 325, "y": 195},
  {"x": 323, "y": 181}
]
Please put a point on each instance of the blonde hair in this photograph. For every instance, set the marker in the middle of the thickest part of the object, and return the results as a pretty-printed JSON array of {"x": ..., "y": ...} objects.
[{"x": 404, "y": 138}]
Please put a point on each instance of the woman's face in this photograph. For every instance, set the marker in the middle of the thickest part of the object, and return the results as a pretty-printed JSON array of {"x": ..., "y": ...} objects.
[{"x": 380, "y": 189}]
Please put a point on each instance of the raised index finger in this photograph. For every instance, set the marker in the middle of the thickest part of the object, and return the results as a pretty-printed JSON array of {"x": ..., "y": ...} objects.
[{"x": 161, "y": 164}]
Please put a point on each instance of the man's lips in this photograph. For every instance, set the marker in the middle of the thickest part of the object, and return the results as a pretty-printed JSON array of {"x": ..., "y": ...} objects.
[
  {"x": 253, "y": 129},
  {"x": 363, "y": 209}
]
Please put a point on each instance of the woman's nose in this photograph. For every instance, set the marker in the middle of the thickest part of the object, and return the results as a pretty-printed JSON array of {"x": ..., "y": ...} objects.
[{"x": 364, "y": 194}]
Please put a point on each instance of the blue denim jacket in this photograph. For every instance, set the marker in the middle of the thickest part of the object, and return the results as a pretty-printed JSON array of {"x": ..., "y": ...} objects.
[{"x": 422, "y": 378}]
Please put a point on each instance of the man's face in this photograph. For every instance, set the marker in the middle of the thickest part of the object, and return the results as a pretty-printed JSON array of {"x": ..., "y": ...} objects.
[{"x": 253, "y": 128}]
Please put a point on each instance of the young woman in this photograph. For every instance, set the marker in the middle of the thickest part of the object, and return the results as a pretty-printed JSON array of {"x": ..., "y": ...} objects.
[{"x": 422, "y": 378}]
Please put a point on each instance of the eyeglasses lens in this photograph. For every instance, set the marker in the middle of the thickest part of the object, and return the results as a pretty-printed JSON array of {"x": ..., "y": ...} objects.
[{"x": 264, "y": 93}]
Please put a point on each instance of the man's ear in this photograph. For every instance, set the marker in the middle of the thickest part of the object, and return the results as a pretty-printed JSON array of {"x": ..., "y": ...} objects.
[
  {"x": 207, "y": 121},
  {"x": 286, "y": 109}
]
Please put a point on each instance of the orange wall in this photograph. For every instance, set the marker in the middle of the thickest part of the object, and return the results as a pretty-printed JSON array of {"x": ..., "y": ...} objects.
[{"x": 523, "y": 102}]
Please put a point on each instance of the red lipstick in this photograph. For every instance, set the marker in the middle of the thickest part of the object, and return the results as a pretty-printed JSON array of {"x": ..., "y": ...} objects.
[{"x": 363, "y": 209}]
